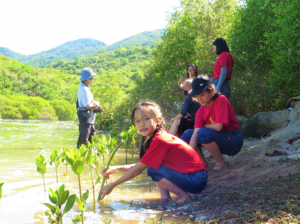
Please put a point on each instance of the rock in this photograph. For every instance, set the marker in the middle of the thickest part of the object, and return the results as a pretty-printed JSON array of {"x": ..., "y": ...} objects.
[
  {"x": 166, "y": 215},
  {"x": 263, "y": 122},
  {"x": 295, "y": 113},
  {"x": 191, "y": 216}
]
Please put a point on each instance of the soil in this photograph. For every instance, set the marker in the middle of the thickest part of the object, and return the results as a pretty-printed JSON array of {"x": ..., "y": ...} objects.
[{"x": 260, "y": 185}]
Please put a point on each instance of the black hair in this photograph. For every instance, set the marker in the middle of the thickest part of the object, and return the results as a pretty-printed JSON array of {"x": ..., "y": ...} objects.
[
  {"x": 221, "y": 45},
  {"x": 216, "y": 94},
  {"x": 155, "y": 110},
  {"x": 194, "y": 67}
]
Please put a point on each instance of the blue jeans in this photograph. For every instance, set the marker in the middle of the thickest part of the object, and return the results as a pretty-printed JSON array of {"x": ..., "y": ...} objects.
[
  {"x": 225, "y": 89},
  {"x": 229, "y": 142},
  {"x": 189, "y": 182}
]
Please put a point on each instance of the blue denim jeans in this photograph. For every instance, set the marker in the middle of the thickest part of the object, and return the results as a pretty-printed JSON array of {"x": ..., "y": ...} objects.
[
  {"x": 189, "y": 182},
  {"x": 229, "y": 142},
  {"x": 225, "y": 90}
]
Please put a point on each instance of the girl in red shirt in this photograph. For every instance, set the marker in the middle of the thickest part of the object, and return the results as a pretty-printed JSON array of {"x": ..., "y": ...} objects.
[
  {"x": 223, "y": 67},
  {"x": 216, "y": 125},
  {"x": 172, "y": 164}
]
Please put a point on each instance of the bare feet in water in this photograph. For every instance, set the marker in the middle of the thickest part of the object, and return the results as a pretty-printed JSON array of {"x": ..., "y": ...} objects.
[{"x": 219, "y": 166}]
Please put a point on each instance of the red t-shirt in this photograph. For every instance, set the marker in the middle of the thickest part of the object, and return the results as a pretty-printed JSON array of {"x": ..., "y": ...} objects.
[
  {"x": 225, "y": 59},
  {"x": 220, "y": 112},
  {"x": 170, "y": 151}
]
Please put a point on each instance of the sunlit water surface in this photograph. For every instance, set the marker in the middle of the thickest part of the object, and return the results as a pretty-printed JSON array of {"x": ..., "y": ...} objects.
[{"x": 21, "y": 141}]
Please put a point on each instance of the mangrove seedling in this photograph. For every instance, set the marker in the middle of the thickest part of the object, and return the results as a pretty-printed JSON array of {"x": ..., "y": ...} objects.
[
  {"x": 64, "y": 155},
  {"x": 109, "y": 161},
  {"x": 58, "y": 198},
  {"x": 41, "y": 167},
  {"x": 133, "y": 135},
  {"x": 126, "y": 141},
  {"x": 81, "y": 205},
  {"x": 75, "y": 159},
  {"x": 1, "y": 184},
  {"x": 54, "y": 157}
]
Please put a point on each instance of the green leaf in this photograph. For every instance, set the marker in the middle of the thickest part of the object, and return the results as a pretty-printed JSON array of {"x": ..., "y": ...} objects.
[
  {"x": 81, "y": 206},
  {"x": 85, "y": 196},
  {"x": 64, "y": 197},
  {"x": 78, "y": 200},
  {"x": 53, "y": 196},
  {"x": 98, "y": 180},
  {"x": 1, "y": 184},
  {"x": 51, "y": 207},
  {"x": 54, "y": 156},
  {"x": 87, "y": 182},
  {"x": 78, "y": 167},
  {"x": 89, "y": 159},
  {"x": 61, "y": 189},
  {"x": 70, "y": 203},
  {"x": 41, "y": 169},
  {"x": 73, "y": 155}
]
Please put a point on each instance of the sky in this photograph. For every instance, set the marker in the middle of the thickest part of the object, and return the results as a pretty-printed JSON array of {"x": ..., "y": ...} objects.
[{"x": 32, "y": 26}]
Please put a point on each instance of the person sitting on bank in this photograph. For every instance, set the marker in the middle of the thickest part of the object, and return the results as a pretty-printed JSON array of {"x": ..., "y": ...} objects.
[
  {"x": 191, "y": 73},
  {"x": 186, "y": 118},
  {"x": 216, "y": 125},
  {"x": 86, "y": 102}
]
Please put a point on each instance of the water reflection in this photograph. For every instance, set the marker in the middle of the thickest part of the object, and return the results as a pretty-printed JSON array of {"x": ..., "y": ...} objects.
[{"x": 23, "y": 191}]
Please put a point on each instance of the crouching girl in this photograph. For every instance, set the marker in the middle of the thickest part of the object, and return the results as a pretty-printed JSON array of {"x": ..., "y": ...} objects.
[
  {"x": 216, "y": 125},
  {"x": 172, "y": 164}
]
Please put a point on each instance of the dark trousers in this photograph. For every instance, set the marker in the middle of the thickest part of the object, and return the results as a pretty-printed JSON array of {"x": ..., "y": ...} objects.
[{"x": 86, "y": 132}]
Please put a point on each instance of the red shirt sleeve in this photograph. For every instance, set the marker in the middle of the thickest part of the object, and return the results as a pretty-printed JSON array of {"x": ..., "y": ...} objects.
[
  {"x": 223, "y": 60},
  {"x": 221, "y": 112},
  {"x": 199, "y": 122},
  {"x": 155, "y": 154}
]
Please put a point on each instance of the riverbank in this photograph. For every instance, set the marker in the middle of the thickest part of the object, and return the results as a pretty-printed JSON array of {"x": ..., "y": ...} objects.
[{"x": 260, "y": 185}]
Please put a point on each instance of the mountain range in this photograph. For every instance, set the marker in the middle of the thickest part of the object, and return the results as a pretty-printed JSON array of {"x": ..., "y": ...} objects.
[{"x": 81, "y": 48}]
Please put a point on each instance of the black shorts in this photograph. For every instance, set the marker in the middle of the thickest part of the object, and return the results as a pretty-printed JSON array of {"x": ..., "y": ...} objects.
[{"x": 184, "y": 125}]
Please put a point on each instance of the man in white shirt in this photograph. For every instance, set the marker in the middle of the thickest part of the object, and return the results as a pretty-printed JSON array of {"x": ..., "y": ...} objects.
[{"x": 86, "y": 103}]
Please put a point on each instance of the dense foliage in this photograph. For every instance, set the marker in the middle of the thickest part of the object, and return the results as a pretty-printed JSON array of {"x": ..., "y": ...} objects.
[
  {"x": 188, "y": 39},
  {"x": 81, "y": 48},
  {"x": 265, "y": 43}
]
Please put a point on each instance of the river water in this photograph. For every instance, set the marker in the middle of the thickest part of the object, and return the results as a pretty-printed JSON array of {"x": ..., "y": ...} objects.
[{"x": 21, "y": 141}]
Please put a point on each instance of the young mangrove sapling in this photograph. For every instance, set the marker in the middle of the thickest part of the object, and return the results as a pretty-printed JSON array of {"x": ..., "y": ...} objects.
[
  {"x": 54, "y": 157},
  {"x": 58, "y": 198},
  {"x": 41, "y": 167}
]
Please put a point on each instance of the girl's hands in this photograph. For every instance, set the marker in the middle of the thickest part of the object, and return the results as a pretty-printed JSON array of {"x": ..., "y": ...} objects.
[{"x": 106, "y": 190}]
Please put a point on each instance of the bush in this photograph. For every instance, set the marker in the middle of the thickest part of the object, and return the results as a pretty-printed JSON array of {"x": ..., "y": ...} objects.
[{"x": 65, "y": 111}]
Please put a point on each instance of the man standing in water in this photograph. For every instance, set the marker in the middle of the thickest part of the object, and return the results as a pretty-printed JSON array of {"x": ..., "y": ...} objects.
[{"x": 86, "y": 105}]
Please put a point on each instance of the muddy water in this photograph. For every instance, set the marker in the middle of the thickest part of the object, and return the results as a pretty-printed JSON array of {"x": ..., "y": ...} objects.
[{"x": 23, "y": 192}]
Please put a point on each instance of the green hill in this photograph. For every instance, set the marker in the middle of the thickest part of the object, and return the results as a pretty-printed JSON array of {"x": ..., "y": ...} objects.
[
  {"x": 81, "y": 48},
  {"x": 147, "y": 38},
  {"x": 67, "y": 51},
  {"x": 25, "y": 89}
]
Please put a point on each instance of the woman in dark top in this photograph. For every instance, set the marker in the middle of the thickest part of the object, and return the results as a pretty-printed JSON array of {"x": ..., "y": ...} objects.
[{"x": 186, "y": 118}]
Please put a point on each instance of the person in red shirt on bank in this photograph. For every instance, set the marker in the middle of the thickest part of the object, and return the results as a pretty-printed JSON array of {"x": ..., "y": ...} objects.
[
  {"x": 223, "y": 67},
  {"x": 172, "y": 164},
  {"x": 216, "y": 125}
]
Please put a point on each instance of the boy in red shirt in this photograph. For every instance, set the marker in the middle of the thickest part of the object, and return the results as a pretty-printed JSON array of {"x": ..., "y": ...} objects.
[{"x": 216, "y": 125}]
